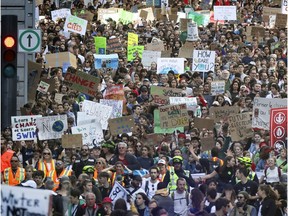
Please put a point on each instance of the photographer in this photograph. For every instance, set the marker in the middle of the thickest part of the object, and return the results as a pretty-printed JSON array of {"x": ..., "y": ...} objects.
[
  {"x": 135, "y": 187},
  {"x": 242, "y": 208}
]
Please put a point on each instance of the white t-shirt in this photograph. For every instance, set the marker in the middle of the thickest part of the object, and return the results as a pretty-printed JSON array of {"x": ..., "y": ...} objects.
[{"x": 272, "y": 175}]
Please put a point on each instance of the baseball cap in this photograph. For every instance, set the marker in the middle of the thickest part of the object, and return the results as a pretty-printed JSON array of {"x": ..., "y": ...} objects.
[
  {"x": 107, "y": 200},
  {"x": 177, "y": 159},
  {"x": 29, "y": 183},
  {"x": 162, "y": 161}
]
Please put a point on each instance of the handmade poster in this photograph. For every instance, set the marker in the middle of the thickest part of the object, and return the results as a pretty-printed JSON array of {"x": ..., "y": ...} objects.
[
  {"x": 118, "y": 192},
  {"x": 27, "y": 133},
  {"x": 159, "y": 130},
  {"x": 43, "y": 87},
  {"x": 125, "y": 17},
  {"x": 258, "y": 31},
  {"x": 100, "y": 45},
  {"x": 192, "y": 32},
  {"x": 278, "y": 128},
  {"x": 261, "y": 110},
  {"x": 220, "y": 113},
  {"x": 271, "y": 11},
  {"x": 106, "y": 61},
  {"x": 72, "y": 140},
  {"x": 117, "y": 107},
  {"x": 121, "y": 125},
  {"x": 191, "y": 103},
  {"x": 58, "y": 98},
  {"x": 61, "y": 13},
  {"x": 197, "y": 18},
  {"x": 161, "y": 94},
  {"x": 25, "y": 200},
  {"x": 186, "y": 50},
  {"x": 203, "y": 60},
  {"x": 217, "y": 87},
  {"x": 225, "y": 12},
  {"x": 59, "y": 59},
  {"x": 164, "y": 65},
  {"x": 82, "y": 82},
  {"x": 106, "y": 13},
  {"x": 207, "y": 143},
  {"x": 83, "y": 119},
  {"x": 134, "y": 52},
  {"x": 51, "y": 127},
  {"x": 184, "y": 23},
  {"x": 50, "y": 82},
  {"x": 99, "y": 111},
  {"x": 75, "y": 24},
  {"x": 116, "y": 92},
  {"x": 149, "y": 56},
  {"x": 155, "y": 45},
  {"x": 143, "y": 14},
  {"x": 87, "y": 15},
  {"x": 24, "y": 121},
  {"x": 150, "y": 15},
  {"x": 172, "y": 116},
  {"x": 281, "y": 20},
  {"x": 34, "y": 74},
  {"x": 240, "y": 126},
  {"x": 132, "y": 39},
  {"x": 284, "y": 7},
  {"x": 113, "y": 44},
  {"x": 201, "y": 123}
]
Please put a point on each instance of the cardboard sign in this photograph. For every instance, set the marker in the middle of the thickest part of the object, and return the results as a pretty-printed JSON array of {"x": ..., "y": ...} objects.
[
  {"x": 100, "y": 45},
  {"x": 117, "y": 107},
  {"x": 281, "y": 20},
  {"x": 143, "y": 14},
  {"x": 155, "y": 45},
  {"x": 201, "y": 123},
  {"x": 34, "y": 74},
  {"x": 161, "y": 94},
  {"x": 109, "y": 12},
  {"x": 113, "y": 44},
  {"x": 51, "y": 127},
  {"x": 164, "y": 65},
  {"x": 219, "y": 113},
  {"x": 186, "y": 50},
  {"x": 172, "y": 116},
  {"x": 43, "y": 87},
  {"x": 191, "y": 103},
  {"x": 152, "y": 139},
  {"x": 271, "y": 11},
  {"x": 61, "y": 13},
  {"x": 149, "y": 56},
  {"x": 121, "y": 125},
  {"x": 132, "y": 39},
  {"x": 75, "y": 24},
  {"x": 58, "y": 98},
  {"x": 240, "y": 126},
  {"x": 106, "y": 61},
  {"x": 261, "y": 110},
  {"x": 258, "y": 31},
  {"x": 184, "y": 23},
  {"x": 82, "y": 82},
  {"x": 72, "y": 140},
  {"x": 217, "y": 87},
  {"x": 134, "y": 52},
  {"x": 284, "y": 7},
  {"x": 61, "y": 58},
  {"x": 278, "y": 128},
  {"x": 159, "y": 130},
  {"x": 192, "y": 32},
  {"x": 207, "y": 143},
  {"x": 87, "y": 15},
  {"x": 166, "y": 53},
  {"x": 203, "y": 60},
  {"x": 225, "y": 13},
  {"x": 150, "y": 15}
]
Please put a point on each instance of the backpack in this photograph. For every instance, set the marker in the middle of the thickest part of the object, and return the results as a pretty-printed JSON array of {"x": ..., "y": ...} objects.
[
  {"x": 186, "y": 196},
  {"x": 279, "y": 172}
]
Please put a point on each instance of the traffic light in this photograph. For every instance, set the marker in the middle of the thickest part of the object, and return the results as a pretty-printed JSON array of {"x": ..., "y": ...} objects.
[{"x": 9, "y": 29}]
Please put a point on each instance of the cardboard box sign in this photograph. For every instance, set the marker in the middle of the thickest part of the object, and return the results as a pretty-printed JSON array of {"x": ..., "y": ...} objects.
[
  {"x": 72, "y": 140},
  {"x": 281, "y": 20},
  {"x": 207, "y": 143},
  {"x": 219, "y": 113},
  {"x": 58, "y": 59},
  {"x": 121, "y": 125},
  {"x": 201, "y": 123}
]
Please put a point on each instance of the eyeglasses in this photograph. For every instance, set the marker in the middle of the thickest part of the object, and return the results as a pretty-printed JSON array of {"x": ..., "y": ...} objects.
[
  {"x": 16, "y": 161},
  {"x": 240, "y": 197},
  {"x": 46, "y": 153}
]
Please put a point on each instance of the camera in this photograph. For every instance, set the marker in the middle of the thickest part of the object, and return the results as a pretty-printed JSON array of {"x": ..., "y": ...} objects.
[{"x": 127, "y": 179}]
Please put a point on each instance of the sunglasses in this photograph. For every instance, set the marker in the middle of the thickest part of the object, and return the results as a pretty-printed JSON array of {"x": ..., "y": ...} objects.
[
  {"x": 240, "y": 197},
  {"x": 59, "y": 163},
  {"x": 46, "y": 153}
]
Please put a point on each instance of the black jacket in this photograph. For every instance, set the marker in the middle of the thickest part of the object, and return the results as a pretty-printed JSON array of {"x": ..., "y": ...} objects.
[
  {"x": 79, "y": 164},
  {"x": 268, "y": 207},
  {"x": 133, "y": 164}
]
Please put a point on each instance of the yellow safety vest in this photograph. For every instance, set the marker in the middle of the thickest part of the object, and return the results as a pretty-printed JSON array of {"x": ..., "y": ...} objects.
[
  {"x": 12, "y": 180},
  {"x": 172, "y": 186}
]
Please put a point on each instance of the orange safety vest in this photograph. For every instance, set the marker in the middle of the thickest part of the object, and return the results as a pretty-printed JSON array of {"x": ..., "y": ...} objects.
[
  {"x": 5, "y": 159},
  {"x": 113, "y": 177},
  {"x": 42, "y": 165},
  {"x": 95, "y": 176},
  {"x": 12, "y": 180},
  {"x": 53, "y": 175}
]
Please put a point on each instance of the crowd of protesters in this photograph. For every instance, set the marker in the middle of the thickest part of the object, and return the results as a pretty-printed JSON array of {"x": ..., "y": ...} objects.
[{"x": 157, "y": 175}]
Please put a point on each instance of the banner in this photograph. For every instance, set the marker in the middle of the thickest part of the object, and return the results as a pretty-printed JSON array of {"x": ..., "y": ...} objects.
[
  {"x": 61, "y": 59},
  {"x": 82, "y": 82},
  {"x": 99, "y": 111},
  {"x": 261, "y": 111},
  {"x": 75, "y": 24},
  {"x": 106, "y": 61},
  {"x": 132, "y": 39},
  {"x": 100, "y": 45},
  {"x": 25, "y": 201},
  {"x": 240, "y": 126},
  {"x": 149, "y": 56},
  {"x": 118, "y": 192},
  {"x": 51, "y": 127},
  {"x": 114, "y": 44},
  {"x": 278, "y": 128},
  {"x": 161, "y": 94},
  {"x": 159, "y": 130},
  {"x": 192, "y": 32},
  {"x": 164, "y": 65},
  {"x": 219, "y": 113},
  {"x": 225, "y": 13},
  {"x": 191, "y": 103},
  {"x": 203, "y": 60},
  {"x": 117, "y": 107},
  {"x": 121, "y": 125},
  {"x": 217, "y": 87},
  {"x": 61, "y": 13},
  {"x": 134, "y": 52},
  {"x": 172, "y": 116}
]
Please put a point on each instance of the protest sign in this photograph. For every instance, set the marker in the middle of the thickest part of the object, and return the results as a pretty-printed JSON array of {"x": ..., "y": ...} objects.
[
  {"x": 116, "y": 92},
  {"x": 106, "y": 61},
  {"x": 82, "y": 82},
  {"x": 61, "y": 13},
  {"x": 106, "y": 11},
  {"x": 278, "y": 128},
  {"x": 25, "y": 201},
  {"x": 58, "y": 98},
  {"x": 172, "y": 116},
  {"x": 191, "y": 103},
  {"x": 92, "y": 134},
  {"x": 284, "y": 7},
  {"x": 50, "y": 82},
  {"x": 34, "y": 73},
  {"x": 164, "y": 65},
  {"x": 186, "y": 50},
  {"x": 150, "y": 15},
  {"x": 113, "y": 44},
  {"x": 258, "y": 31},
  {"x": 192, "y": 32},
  {"x": 217, "y": 87},
  {"x": 281, "y": 20},
  {"x": 143, "y": 14},
  {"x": 24, "y": 121},
  {"x": 261, "y": 111},
  {"x": 207, "y": 143},
  {"x": 132, "y": 39},
  {"x": 159, "y": 130},
  {"x": 161, "y": 94},
  {"x": 72, "y": 140},
  {"x": 184, "y": 23},
  {"x": 134, "y": 52},
  {"x": 240, "y": 126},
  {"x": 100, "y": 45},
  {"x": 155, "y": 45},
  {"x": 125, "y": 17},
  {"x": 153, "y": 139},
  {"x": 121, "y": 125},
  {"x": 271, "y": 11},
  {"x": 75, "y": 24},
  {"x": 51, "y": 127},
  {"x": 61, "y": 58},
  {"x": 197, "y": 18},
  {"x": 203, "y": 60},
  {"x": 219, "y": 113},
  {"x": 98, "y": 111},
  {"x": 43, "y": 87},
  {"x": 117, "y": 106},
  {"x": 225, "y": 13},
  {"x": 149, "y": 56},
  {"x": 87, "y": 15},
  {"x": 118, "y": 192},
  {"x": 201, "y": 123}
]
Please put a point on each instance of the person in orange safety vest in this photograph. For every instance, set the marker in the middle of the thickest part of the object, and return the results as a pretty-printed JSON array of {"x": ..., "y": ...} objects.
[{"x": 46, "y": 163}]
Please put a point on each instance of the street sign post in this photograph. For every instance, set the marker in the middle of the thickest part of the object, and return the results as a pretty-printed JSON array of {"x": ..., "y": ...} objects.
[{"x": 29, "y": 41}]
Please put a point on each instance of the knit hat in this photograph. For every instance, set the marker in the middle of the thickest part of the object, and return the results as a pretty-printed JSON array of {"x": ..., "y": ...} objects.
[{"x": 245, "y": 194}]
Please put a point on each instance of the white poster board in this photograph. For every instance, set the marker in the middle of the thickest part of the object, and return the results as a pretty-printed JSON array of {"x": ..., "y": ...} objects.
[
  {"x": 75, "y": 24},
  {"x": 164, "y": 65},
  {"x": 117, "y": 107},
  {"x": 149, "y": 56},
  {"x": 191, "y": 103},
  {"x": 192, "y": 32},
  {"x": 217, "y": 87},
  {"x": 203, "y": 60},
  {"x": 61, "y": 13},
  {"x": 284, "y": 7},
  {"x": 225, "y": 13}
]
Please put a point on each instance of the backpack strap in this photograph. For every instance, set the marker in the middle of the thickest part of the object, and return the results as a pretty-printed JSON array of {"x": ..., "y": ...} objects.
[{"x": 146, "y": 186}]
